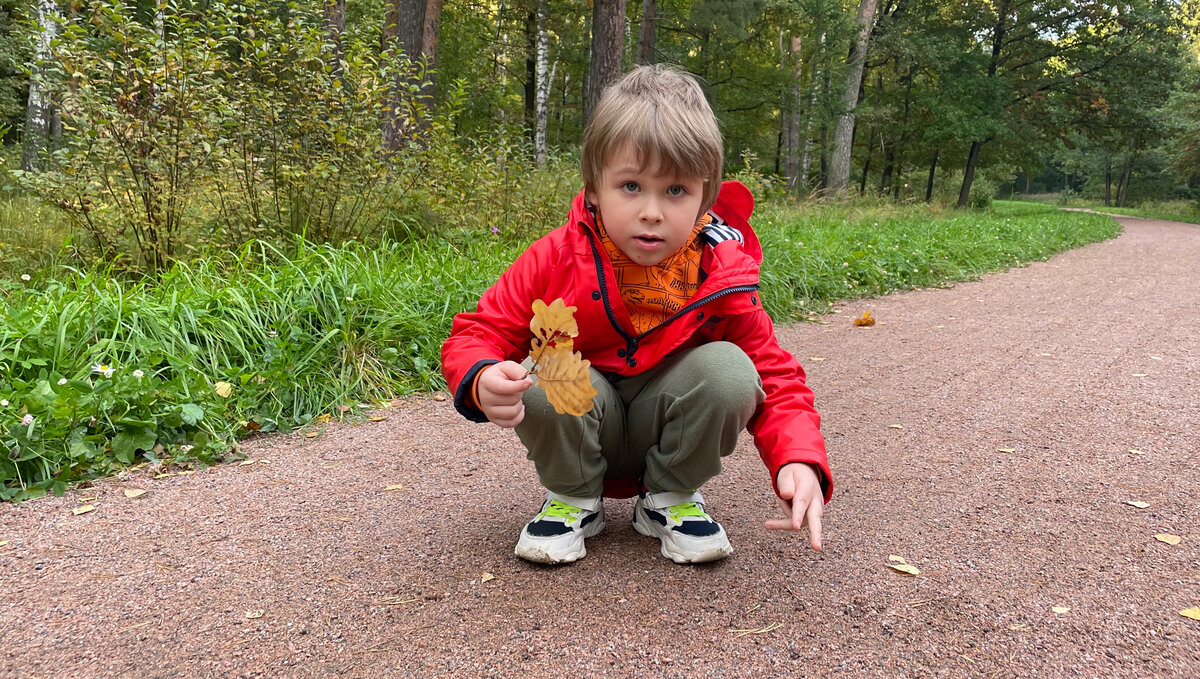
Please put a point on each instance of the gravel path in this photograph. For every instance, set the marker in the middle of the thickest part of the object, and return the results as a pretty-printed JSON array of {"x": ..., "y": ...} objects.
[{"x": 983, "y": 432}]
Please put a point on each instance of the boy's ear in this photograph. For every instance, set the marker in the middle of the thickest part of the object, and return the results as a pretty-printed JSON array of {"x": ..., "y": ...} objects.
[{"x": 589, "y": 196}]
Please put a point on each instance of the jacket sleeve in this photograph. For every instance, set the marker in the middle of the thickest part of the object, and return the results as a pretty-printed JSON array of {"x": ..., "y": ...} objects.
[
  {"x": 498, "y": 329},
  {"x": 786, "y": 427}
]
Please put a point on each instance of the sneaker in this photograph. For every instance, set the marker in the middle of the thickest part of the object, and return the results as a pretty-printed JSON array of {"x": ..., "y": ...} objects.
[
  {"x": 556, "y": 534},
  {"x": 688, "y": 533}
]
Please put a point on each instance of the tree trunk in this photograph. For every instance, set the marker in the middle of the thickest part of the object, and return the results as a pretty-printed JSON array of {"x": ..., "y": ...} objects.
[
  {"x": 862, "y": 183},
  {"x": 1125, "y": 176},
  {"x": 335, "y": 25},
  {"x": 998, "y": 34},
  {"x": 889, "y": 166},
  {"x": 608, "y": 27},
  {"x": 39, "y": 112},
  {"x": 531, "y": 55},
  {"x": 964, "y": 193},
  {"x": 815, "y": 79},
  {"x": 1108, "y": 182},
  {"x": 544, "y": 80},
  {"x": 932, "y": 171},
  {"x": 843, "y": 137},
  {"x": 411, "y": 28},
  {"x": 646, "y": 52},
  {"x": 790, "y": 120}
]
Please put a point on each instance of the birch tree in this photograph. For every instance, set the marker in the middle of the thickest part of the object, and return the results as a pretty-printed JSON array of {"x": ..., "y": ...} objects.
[
  {"x": 40, "y": 113},
  {"x": 543, "y": 80}
]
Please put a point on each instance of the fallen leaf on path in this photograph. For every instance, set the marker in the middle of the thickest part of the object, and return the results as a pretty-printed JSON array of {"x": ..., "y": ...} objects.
[
  {"x": 895, "y": 426},
  {"x": 1193, "y": 612},
  {"x": 485, "y": 577},
  {"x": 3, "y": 542},
  {"x": 1139, "y": 374},
  {"x": 1007, "y": 450},
  {"x": 1061, "y": 609},
  {"x": 439, "y": 397},
  {"x": 1045, "y": 354},
  {"x": 865, "y": 320},
  {"x": 164, "y": 475},
  {"x": 223, "y": 389},
  {"x": 134, "y": 492},
  {"x": 898, "y": 564},
  {"x": 87, "y": 499},
  {"x": 1137, "y": 503},
  {"x": 1137, "y": 452},
  {"x": 377, "y": 418},
  {"x": 312, "y": 434},
  {"x": 395, "y": 486},
  {"x": 83, "y": 510},
  {"x": 246, "y": 463},
  {"x": 1157, "y": 358},
  {"x": 816, "y": 358},
  {"x": 1168, "y": 538},
  {"x": 254, "y": 615}
]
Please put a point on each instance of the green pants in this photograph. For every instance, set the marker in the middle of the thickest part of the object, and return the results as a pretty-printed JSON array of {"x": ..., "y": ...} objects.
[{"x": 669, "y": 426}]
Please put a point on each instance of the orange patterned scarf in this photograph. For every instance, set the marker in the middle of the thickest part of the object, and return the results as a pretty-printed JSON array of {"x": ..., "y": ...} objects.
[{"x": 652, "y": 293}]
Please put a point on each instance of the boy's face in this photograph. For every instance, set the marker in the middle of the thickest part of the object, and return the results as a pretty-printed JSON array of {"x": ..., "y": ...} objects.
[{"x": 648, "y": 215}]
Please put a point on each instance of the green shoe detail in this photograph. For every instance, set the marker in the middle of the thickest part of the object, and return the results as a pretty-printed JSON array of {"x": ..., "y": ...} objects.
[
  {"x": 560, "y": 509},
  {"x": 677, "y": 512}
]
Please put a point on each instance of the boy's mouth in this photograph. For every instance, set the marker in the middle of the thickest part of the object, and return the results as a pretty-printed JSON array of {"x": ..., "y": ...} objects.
[{"x": 647, "y": 239}]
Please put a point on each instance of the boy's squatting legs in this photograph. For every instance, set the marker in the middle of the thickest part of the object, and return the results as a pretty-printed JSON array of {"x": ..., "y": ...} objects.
[{"x": 669, "y": 427}]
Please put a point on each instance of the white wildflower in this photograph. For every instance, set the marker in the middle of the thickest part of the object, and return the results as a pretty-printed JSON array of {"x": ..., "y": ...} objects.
[
  {"x": 104, "y": 369},
  {"x": 27, "y": 420},
  {"x": 139, "y": 374},
  {"x": 62, "y": 381},
  {"x": 3, "y": 403},
  {"x": 185, "y": 448},
  {"x": 25, "y": 277}
]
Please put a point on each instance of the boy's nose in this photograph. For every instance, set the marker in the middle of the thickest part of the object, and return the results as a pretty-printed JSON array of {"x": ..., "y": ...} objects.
[{"x": 651, "y": 211}]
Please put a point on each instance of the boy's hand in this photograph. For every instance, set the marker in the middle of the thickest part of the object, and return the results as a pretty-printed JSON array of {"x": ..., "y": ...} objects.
[
  {"x": 499, "y": 391},
  {"x": 801, "y": 499}
]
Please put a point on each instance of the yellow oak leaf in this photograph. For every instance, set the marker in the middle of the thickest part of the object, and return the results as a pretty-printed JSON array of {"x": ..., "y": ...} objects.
[
  {"x": 1060, "y": 609},
  {"x": 898, "y": 564},
  {"x": 1168, "y": 538},
  {"x": 134, "y": 492},
  {"x": 1137, "y": 503},
  {"x": 865, "y": 320},
  {"x": 1193, "y": 612},
  {"x": 553, "y": 326},
  {"x": 567, "y": 382}
]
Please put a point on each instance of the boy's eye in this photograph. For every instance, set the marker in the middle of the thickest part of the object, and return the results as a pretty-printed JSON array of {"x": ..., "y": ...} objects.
[
  {"x": 676, "y": 190},
  {"x": 631, "y": 187}
]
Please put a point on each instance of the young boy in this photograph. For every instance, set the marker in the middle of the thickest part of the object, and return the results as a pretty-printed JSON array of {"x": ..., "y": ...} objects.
[{"x": 662, "y": 266}]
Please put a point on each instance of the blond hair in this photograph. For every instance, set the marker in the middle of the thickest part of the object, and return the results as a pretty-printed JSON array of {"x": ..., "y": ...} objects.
[{"x": 662, "y": 112}]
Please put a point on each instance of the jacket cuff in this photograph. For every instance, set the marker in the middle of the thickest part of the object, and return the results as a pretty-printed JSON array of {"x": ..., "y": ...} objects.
[
  {"x": 824, "y": 477},
  {"x": 464, "y": 397}
]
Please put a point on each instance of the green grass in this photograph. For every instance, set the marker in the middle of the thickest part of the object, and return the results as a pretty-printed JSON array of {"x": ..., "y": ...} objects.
[
  {"x": 269, "y": 339},
  {"x": 1174, "y": 211}
]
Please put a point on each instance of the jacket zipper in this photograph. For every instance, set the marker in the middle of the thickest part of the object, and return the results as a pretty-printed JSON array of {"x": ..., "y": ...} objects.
[{"x": 631, "y": 341}]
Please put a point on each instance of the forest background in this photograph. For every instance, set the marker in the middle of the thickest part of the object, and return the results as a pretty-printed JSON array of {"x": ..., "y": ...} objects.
[{"x": 221, "y": 218}]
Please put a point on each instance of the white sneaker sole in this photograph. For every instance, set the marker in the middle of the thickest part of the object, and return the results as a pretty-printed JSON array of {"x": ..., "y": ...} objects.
[
  {"x": 683, "y": 548},
  {"x": 557, "y": 549}
]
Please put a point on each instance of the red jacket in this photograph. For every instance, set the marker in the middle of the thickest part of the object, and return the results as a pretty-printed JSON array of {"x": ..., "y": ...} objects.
[{"x": 570, "y": 263}]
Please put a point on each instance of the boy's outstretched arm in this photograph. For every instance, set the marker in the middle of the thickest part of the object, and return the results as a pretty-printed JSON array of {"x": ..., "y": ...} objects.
[
  {"x": 499, "y": 391},
  {"x": 801, "y": 499}
]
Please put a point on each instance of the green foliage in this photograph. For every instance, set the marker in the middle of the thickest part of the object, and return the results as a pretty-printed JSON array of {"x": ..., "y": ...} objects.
[
  {"x": 295, "y": 335},
  {"x": 14, "y": 54},
  {"x": 239, "y": 121}
]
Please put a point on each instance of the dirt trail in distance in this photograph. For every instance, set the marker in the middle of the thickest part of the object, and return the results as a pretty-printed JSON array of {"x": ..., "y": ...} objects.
[{"x": 983, "y": 432}]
